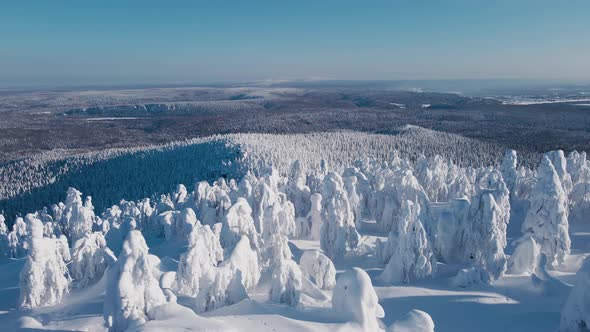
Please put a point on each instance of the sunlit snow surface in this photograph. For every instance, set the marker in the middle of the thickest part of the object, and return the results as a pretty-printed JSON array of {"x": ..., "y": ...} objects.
[{"x": 513, "y": 303}]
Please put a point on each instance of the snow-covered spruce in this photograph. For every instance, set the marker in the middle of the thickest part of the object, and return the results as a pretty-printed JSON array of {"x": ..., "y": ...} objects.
[
  {"x": 546, "y": 220},
  {"x": 314, "y": 217},
  {"x": 229, "y": 283},
  {"x": 202, "y": 256},
  {"x": 338, "y": 232},
  {"x": 90, "y": 258},
  {"x": 44, "y": 279},
  {"x": 286, "y": 283},
  {"x": 575, "y": 316},
  {"x": 355, "y": 299},
  {"x": 407, "y": 251},
  {"x": 131, "y": 289},
  {"x": 508, "y": 169},
  {"x": 238, "y": 222},
  {"x": 77, "y": 217},
  {"x": 318, "y": 268},
  {"x": 484, "y": 236}
]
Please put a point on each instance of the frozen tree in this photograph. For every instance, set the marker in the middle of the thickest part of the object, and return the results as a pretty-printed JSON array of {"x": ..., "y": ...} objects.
[
  {"x": 279, "y": 218},
  {"x": 580, "y": 197},
  {"x": 77, "y": 218},
  {"x": 286, "y": 283},
  {"x": 131, "y": 288},
  {"x": 525, "y": 257},
  {"x": 508, "y": 169},
  {"x": 575, "y": 161},
  {"x": 238, "y": 222},
  {"x": 90, "y": 258},
  {"x": 178, "y": 224},
  {"x": 228, "y": 283},
  {"x": 17, "y": 239},
  {"x": 355, "y": 299},
  {"x": 559, "y": 162},
  {"x": 44, "y": 278},
  {"x": 575, "y": 315},
  {"x": 484, "y": 237},
  {"x": 203, "y": 255},
  {"x": 546, "y": 220},
  {"x": 315, "y": 217},
  {"x": 338, "y": 232},
  {"x": 474, "y": 275},
  {"x": 398, "y": 187},
  {"x": 4, "y": 244},
  {"x": 179, "y": 197},
  {"x": 318, "y": 268},
  {"x": 354, "y": 199},
  {"x": 408, "y": 252},
  {"x": 297, "y": 191},
  {"x": 490, "y": 181}
]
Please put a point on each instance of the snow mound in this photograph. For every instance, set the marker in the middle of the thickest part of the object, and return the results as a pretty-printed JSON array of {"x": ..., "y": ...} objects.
[
  {"x": 355, "y": 299},
  {"x": 575, "y": 316},
  {"x": 413, "y": 321}
]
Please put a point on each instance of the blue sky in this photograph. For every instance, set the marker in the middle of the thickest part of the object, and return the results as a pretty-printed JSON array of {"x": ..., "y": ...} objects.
[{"x": 103, "y": 42}]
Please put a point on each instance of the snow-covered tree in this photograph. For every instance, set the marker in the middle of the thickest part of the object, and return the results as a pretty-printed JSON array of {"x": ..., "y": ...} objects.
[
  {"x": 354, "y": 299},
  {"x": 297, "y": 191},
  {"x": 338, "y": 232},
  {"x": 398, "y": 187},
  {"x": 559, "y": 162},
  {"x": 77, "y": 218},
  {"x": 575, "y": 315},
  {"x": 90, "y": 258},
  {"x": 546, "y": 220},
  {"x": 228, "y": 283},
  {"x": 484, "y": 237},
  {"x": 238, "y": 222},
  {"x": 315, "y": 217},
  {"x": 318, "y": 268},
  {"x": 508, "y": 169},
  {"x": 203, "y": 254},
  {"x": 44, "y": 278},
  {"x": 4, "y": 244},
  {"x": 286, "y": 283},
  {"x": 579, "y": 211},
  {"x": 574, "y": 163},
  {"x": 131, "y": 289},
  {"x": 407, "y": 250}
]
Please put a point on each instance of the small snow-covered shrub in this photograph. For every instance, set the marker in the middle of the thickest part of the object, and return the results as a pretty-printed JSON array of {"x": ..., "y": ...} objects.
[
  {"x": 318, "y": 268},
  {"x": 355, "y": 299},
  {"x": 470, "y": 277},
  {"x": 286, "y": 283},
  {"x": 413, "y": 321},
  {"x": 131, "y": 288},
  {"x": 90, "y": 258},
  {"x": 525, "y": 257},
  {"x": 575, "y": 316},
  {"x": 44, "y": 278}
]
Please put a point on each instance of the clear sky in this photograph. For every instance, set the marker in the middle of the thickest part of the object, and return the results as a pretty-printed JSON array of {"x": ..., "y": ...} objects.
[{"x": 169, "y": 41}]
